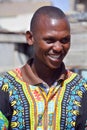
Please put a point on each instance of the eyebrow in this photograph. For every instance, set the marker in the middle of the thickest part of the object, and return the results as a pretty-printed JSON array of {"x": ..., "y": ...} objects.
[{"x": 53, "y": 37}]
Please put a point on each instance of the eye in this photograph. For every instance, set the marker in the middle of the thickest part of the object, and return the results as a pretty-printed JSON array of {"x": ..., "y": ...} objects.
[
  {"x": 65, "y": 40},
  {"x": 50, "y": 40}
]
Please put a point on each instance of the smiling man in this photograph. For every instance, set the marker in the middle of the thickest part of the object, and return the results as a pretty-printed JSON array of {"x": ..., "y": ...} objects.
[
  {"x": 51, "y": 37},
  {"x": 43, "y": 94}
]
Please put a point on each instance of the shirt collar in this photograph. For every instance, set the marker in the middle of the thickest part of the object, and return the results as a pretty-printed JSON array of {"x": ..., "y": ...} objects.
[{"x": 31, "y": 78}]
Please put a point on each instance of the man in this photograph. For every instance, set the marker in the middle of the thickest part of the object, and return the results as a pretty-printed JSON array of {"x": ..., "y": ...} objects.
[{"x": 43, "y": 94}]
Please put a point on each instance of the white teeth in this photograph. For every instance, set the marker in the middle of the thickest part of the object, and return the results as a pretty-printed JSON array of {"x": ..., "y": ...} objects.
[{"x": 54, "y": 56}]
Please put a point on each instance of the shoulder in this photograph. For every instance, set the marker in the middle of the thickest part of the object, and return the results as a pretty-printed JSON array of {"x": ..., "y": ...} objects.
[
  {"x": 6, "y": 79},
  {"x": 76, "y": 76},
  {"x": 76, "y": 80}
]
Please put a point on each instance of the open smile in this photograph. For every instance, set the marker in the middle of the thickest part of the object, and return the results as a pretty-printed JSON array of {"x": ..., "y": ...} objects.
[{"x": 54, "y": 57}]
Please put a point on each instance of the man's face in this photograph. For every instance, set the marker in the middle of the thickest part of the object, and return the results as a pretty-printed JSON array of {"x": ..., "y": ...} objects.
[{"x": 51, "y": 41}]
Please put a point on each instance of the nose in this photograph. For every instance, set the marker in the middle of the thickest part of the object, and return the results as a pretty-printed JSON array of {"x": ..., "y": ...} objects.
[{"x": 57, "y": 47}]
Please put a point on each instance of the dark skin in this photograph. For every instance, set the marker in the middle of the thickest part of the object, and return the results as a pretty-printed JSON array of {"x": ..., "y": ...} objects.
[{"x": 51, "y": 42}]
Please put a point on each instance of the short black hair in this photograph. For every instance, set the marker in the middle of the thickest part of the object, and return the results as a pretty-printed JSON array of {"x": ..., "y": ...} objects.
[{"x": 50, "y": 11}]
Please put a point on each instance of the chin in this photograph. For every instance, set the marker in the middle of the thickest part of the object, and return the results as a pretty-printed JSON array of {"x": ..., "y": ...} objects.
[{"x": 54, "y": 67}]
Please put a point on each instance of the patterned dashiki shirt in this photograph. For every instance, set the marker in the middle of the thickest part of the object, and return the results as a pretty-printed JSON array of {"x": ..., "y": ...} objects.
[{"x": 33, "y": 107}]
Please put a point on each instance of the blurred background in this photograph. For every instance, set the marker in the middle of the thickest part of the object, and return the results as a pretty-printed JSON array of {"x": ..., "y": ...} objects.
[{"x": 15, "y": 16}]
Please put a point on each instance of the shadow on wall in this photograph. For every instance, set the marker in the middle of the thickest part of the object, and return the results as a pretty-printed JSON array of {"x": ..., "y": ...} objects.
[{"x": 24, "y": 49}]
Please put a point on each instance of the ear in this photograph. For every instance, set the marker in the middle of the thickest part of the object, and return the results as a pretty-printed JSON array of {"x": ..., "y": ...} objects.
[{"x": 29, "y": 38}]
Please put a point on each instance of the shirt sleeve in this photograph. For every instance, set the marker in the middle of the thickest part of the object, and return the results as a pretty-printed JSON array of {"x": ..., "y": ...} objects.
[
  {"x": 3, "y": 122},
  {"x": 81, "y": 122},
  {"x": 5, "y": 110}
]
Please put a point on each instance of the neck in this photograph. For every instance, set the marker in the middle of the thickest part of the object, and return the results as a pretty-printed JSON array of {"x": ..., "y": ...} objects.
[{"x": 45, "y": 73}]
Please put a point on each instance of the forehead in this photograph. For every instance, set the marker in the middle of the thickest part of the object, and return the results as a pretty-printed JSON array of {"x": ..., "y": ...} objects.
[{"x": 46, "y": 23}]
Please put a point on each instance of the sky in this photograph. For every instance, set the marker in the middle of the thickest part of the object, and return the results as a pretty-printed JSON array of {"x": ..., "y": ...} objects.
[{"x": 63, "y": 4}]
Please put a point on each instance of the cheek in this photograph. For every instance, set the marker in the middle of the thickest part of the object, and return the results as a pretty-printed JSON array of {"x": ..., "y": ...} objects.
[
  {"x": 39, "y": 51},
  {"x": 67, "y": 47},
  {"x": 41, "y": 48}
]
